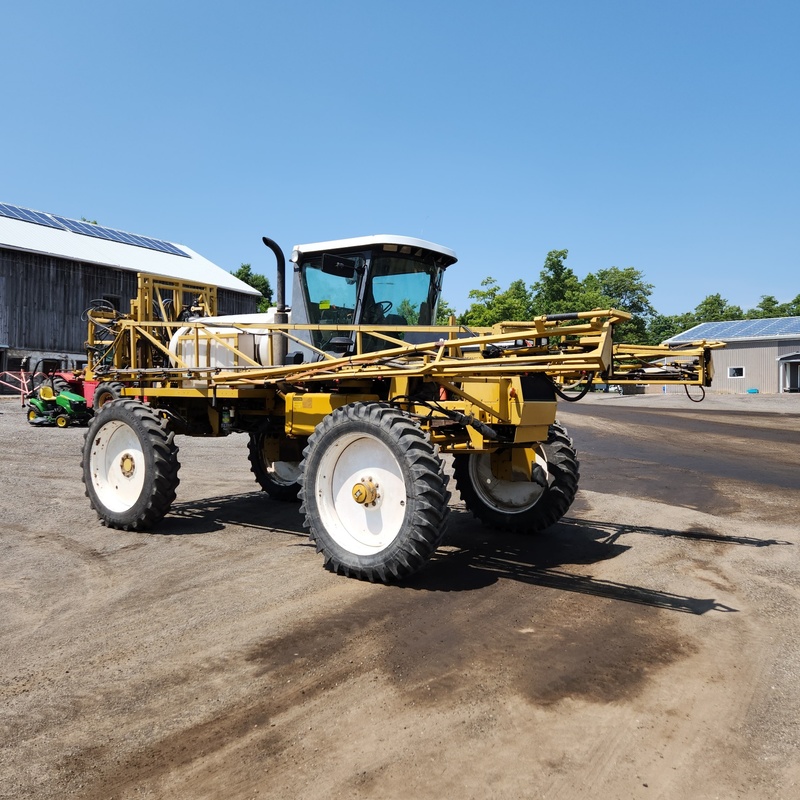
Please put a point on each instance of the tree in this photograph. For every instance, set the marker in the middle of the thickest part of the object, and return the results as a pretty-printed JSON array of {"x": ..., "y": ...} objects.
[
  {"x": 661, "y": 327},
  {"x": 245, "y": 273},
  {"x": 793, "y": 307},
  {"x": 767, "y": 307},
  {"x": 444, "y": 311},
  {"x": 716, "y": 308},
  {"x": 770, "y": 307},
  {"x": 479, "y": 313},
  {"x": 408, "y": 311},
  {"x": 558, "y": 286},
  {"x": 626, "y": 290},
  {"x": 494, "y": 306}
]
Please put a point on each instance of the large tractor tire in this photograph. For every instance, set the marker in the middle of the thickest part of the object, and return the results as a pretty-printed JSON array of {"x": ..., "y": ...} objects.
[
  {"x": 280, "y": 479},
  {"x": 59, "y": 384},
  {"x": 374, "y": 493},
  {"x": 521, "y": 506},
  {"x": 106, "y": 392},
  {"x": 130, "y": 465}
]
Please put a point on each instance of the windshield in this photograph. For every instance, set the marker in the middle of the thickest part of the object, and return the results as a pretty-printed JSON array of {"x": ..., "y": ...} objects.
[
  {"x": 402, "y": 291},
  {"x": 331, "y": 291}
]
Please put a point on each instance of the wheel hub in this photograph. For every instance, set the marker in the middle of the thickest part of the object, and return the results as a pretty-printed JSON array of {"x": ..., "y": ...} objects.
[
  {"x": 127, "y": 465},
  {"x": 365, "y": 492}
]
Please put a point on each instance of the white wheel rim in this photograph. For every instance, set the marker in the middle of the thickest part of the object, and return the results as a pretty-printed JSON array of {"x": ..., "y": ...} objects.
[
  {"x": 284, "y": 473},
  {"x": 506, "y": 497},
  {"x": 117, "y": 465},
  {"x": 361, "y": 528}
]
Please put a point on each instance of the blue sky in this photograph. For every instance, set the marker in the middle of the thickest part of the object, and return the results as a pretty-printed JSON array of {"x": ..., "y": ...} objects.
[{"x": 662, "y": 136}]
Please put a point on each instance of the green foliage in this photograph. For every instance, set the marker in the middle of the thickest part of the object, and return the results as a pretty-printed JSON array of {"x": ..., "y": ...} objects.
[
  {"x": 558, "y": 289},
  {"x": 626, "y": 290},
  {"x": 492, "y": 305},
  {"x": 661, "y": 327},
  {"x": 444, "y": 311},
  {"x": 770, "y": 307},
  {"x": 408, "y": 310},
  {"x": 716, "y": 308},
  {"x": 246, "y": 274}
]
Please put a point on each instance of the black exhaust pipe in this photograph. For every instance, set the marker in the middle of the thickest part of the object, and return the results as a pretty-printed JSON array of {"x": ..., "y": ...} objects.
[
  {"x": 280, "y": 289},
  {"x": 279, "y": 342}
]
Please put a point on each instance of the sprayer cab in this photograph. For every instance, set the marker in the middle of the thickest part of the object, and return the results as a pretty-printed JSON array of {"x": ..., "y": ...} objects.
[{"x": 371, "y": 280}]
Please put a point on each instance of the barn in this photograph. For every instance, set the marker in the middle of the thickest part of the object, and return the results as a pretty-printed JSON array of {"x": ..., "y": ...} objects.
[
  {"x": 760, "y": 355},
  {"x": 53, "y": 267}
]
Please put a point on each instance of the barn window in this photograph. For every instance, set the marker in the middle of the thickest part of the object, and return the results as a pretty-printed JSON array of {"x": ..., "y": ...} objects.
[{"x": 736, "y": 372}]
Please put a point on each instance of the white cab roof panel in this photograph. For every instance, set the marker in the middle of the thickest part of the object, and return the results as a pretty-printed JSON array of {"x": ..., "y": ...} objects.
[{"x": 365, "y": 242}]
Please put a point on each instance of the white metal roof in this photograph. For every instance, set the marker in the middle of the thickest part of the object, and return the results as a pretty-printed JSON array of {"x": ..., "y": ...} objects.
[
  {"x": 19, "y": 235},
  {"x": 371, "y": 241}
]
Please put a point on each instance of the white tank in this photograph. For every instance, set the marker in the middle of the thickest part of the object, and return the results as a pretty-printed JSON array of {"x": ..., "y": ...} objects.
[{"x": 209, "y": 346}]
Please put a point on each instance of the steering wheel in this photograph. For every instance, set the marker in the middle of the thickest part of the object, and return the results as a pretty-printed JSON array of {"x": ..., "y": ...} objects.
[{"x": 378, "y": 311}]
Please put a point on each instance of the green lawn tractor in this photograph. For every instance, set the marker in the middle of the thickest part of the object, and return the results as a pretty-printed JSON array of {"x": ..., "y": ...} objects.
[{"x": 45, "y": 407}]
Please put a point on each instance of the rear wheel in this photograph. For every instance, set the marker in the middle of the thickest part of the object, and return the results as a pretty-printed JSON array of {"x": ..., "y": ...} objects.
[
  {"x": 106, "y": 392},
  {"x": 130, "y": 465},
  {"x": 522, "y": 506},
  {"x": 59, "y": 384},
  {"x": 374, "y": 493},
  {"x": 280, "y": 479},
  {"x": 32, "y": 415}
]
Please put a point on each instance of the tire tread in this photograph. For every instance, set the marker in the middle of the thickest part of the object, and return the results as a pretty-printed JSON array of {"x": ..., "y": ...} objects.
[
  {"x": 165, "y": 478},
  {"x": 429, "y": 522}
]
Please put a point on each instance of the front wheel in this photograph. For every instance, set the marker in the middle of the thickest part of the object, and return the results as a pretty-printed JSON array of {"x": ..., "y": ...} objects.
[
  {"x": 521, "y": 506},
  {"x": 130, "y": 465},
  {"x": 374, "y": 493}
]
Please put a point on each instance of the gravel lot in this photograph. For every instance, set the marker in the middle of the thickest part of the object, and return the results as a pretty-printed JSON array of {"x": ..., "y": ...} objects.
[{"x": 647, "y": 646}]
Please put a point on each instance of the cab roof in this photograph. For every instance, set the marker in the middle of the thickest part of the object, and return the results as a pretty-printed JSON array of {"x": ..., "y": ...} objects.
[{"x": 402, "y": 244}]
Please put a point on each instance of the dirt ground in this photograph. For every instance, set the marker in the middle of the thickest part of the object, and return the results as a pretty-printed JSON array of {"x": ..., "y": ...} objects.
[{"x": 646, "y": 647}]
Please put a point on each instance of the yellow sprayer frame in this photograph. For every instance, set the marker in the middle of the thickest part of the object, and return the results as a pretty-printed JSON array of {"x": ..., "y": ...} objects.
[{"x": 477, "y": 371}]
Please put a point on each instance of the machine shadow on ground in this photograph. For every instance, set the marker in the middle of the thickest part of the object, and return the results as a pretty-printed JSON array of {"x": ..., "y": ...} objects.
[
  {"x": 478, "y": 557},
  {"x": 474, "y": 557},
  {"x": 249, "y": 509}
]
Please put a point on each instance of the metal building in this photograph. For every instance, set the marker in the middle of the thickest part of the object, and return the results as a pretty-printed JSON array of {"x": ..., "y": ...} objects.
[
  {"x": 760, "y": 355},
  {"x": 53, "y": 267}
]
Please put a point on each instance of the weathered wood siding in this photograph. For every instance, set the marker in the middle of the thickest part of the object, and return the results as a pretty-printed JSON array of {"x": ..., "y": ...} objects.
[{"x": 43, "y": 298}]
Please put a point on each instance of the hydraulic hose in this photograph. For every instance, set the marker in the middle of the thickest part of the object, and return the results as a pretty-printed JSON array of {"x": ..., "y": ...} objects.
[{"x": 580, "y": 396}]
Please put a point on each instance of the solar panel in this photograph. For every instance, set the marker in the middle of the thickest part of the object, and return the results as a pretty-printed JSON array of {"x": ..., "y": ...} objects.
[
  {"x": 100, "y": 232},
  {"x": 26, "y": 215},
  {"x": 88, "y": 229},
  {"x": 742, "y": 329}
]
